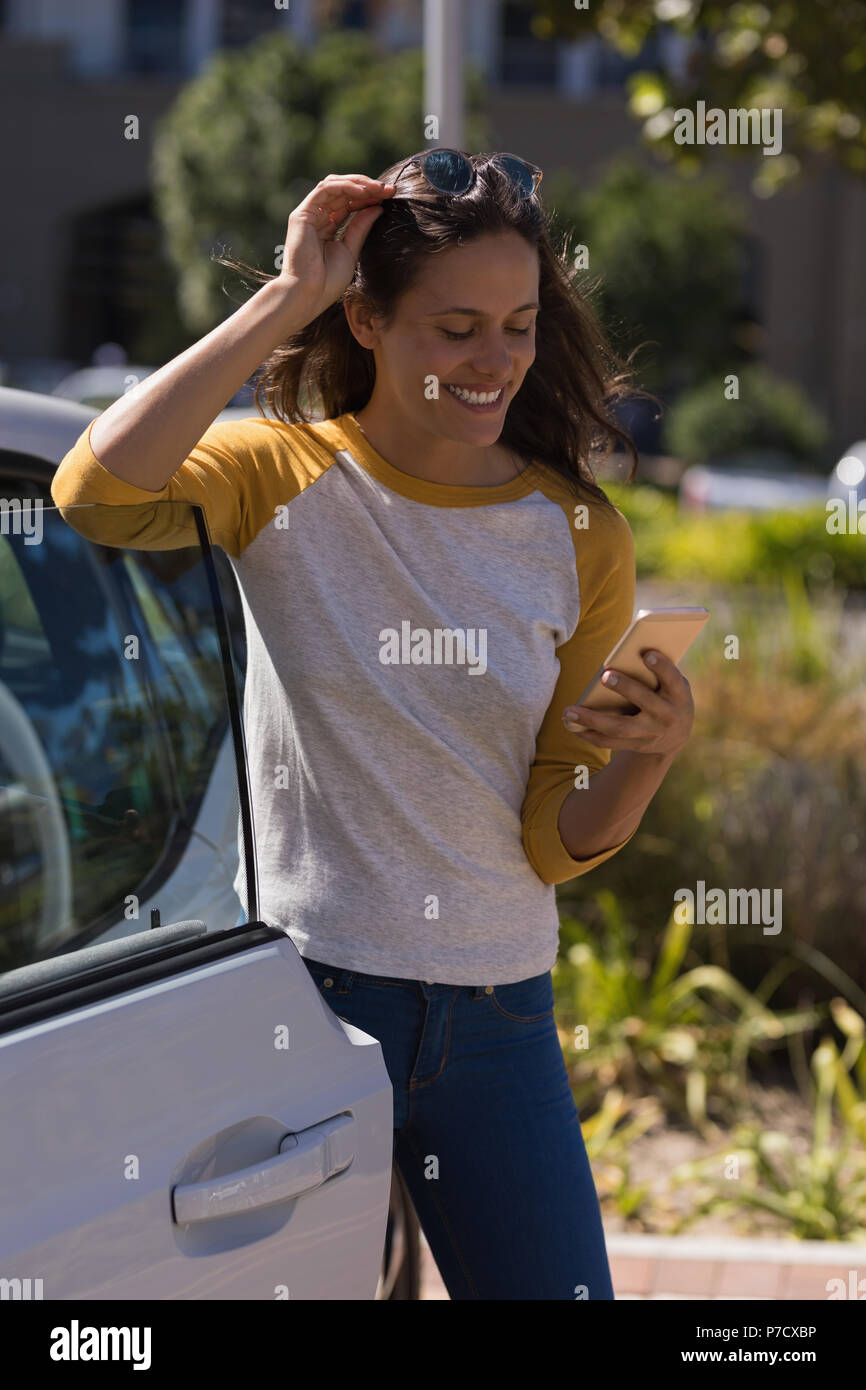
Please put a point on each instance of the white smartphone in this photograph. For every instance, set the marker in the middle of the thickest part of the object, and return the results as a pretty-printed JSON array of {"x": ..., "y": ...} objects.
[{"x": 668, "y": 630}]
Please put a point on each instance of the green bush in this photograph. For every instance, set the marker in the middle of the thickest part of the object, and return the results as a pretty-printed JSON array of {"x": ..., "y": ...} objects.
[
  {"x": 769, "y": 413},
  {"x": 731, "y": 548}
]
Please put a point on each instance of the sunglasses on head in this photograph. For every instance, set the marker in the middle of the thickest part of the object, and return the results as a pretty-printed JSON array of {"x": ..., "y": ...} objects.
[{"x": 451, "y": 171}]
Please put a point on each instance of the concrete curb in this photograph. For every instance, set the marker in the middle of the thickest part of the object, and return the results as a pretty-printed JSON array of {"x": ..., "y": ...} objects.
[
  {"x": 648, "y": 1266},
  {"x": 688, "y": 1267},
  {"x": 818, "y": 1252}
]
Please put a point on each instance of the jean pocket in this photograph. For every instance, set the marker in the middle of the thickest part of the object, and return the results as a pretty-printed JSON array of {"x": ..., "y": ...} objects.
[{"x": 526, "y": 1001}]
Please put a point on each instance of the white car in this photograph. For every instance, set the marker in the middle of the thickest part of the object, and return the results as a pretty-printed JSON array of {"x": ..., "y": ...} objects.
[
  {"x": 762, "y": 482},
  {"x": 191, "y": 1121},
  {"x": 99, "y": 386}
]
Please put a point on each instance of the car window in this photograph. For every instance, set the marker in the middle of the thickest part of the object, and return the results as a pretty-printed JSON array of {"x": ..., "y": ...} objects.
[{"x": 113, "y": 715}]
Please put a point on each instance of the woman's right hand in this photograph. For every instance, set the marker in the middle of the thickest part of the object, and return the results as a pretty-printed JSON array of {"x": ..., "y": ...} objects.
[{"x": 313, "y": 259}]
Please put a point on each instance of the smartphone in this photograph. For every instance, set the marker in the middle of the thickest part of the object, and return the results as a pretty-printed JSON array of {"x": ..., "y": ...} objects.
[{"x": 669, "y": 630}]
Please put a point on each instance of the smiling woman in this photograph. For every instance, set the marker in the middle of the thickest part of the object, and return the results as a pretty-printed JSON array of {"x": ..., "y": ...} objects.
[{"x": 430, "y": 576}]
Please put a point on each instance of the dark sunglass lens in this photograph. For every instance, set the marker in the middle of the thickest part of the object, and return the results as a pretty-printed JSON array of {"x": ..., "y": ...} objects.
[
  {"x": 519, "y": 172},
  {"x": 448, "y": 171}
]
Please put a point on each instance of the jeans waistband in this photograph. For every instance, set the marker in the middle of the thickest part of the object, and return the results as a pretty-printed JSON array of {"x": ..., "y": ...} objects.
[{"x": 343, "y": 978}]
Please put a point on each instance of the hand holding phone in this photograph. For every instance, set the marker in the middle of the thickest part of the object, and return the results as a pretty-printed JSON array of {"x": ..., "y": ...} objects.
[
  {"x": 648, "y": 735},
  {"x": 670, "y": 631}
]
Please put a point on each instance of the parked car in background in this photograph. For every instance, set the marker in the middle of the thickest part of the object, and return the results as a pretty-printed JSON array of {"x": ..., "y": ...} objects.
[
  {"x": 762, "y": 481},
  {"x": 100, "y": 386},
  {"x": 191, "y": 1119}
]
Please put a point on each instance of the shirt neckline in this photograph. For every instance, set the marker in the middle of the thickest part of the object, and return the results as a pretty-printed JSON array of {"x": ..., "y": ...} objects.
[{"x": 346, "y": 434}]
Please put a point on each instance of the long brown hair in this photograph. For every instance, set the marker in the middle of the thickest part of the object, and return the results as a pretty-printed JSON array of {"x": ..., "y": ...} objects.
[{"x": 562, "y": 415}]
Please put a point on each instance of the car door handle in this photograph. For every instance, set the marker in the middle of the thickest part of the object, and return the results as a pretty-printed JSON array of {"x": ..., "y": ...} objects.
[{"x": 306, "y": 1160}]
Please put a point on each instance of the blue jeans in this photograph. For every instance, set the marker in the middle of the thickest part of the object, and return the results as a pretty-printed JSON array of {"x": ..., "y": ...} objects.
[{"x": 486, "y": 1133}]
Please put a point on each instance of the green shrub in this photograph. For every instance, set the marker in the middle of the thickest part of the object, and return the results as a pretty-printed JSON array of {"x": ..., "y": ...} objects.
[
  {"x": 770, "y": 413},
  {"x": 730, "y": 547}
]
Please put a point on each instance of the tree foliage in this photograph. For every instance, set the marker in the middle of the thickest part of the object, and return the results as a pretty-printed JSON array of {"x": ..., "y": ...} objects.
[
  {"x": 805, "y": 57},
  {"x": 661, "y": 247}
]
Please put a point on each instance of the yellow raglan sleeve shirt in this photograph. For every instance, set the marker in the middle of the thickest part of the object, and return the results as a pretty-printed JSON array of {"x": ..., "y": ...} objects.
[{"x": 397, "y": 787}]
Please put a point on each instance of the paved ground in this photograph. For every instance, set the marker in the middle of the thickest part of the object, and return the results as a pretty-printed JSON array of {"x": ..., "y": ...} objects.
[{"x": 665, "y": 1267}]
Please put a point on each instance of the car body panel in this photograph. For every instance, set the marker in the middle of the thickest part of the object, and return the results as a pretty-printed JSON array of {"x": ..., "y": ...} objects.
[
  {"x": 127, "y": 1078},
  {"x": 173, "y": 1082}
]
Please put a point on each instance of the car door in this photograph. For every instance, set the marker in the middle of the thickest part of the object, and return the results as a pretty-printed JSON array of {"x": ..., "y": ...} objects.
[{"x": 184, "y": 1117}]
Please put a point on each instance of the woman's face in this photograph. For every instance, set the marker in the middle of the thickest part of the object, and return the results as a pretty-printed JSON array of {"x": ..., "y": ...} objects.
[{"x": 466, "y": 325}]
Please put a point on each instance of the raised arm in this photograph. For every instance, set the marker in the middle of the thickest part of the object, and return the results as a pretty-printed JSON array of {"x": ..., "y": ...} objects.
[{"x": 144, "y": 437}]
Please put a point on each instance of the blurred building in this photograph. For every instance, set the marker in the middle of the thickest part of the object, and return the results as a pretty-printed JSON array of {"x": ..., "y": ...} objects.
[{"x": 80, "y": 242}]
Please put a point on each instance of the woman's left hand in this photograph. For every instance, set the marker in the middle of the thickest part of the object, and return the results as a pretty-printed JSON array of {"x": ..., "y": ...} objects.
[{"x": 664, "y": 718}]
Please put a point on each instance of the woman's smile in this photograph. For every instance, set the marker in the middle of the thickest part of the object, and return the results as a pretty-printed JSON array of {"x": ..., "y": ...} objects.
[{"x": 483, "y": 401}]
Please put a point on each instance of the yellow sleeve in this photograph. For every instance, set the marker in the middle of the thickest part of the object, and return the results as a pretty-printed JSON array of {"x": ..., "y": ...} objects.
[
  {"x": 606, "y": 578},
  {"x": 233, "y": 474}
]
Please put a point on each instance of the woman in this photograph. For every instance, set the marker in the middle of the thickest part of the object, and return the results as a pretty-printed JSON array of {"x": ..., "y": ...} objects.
[{"x": 430, "y": 577}]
